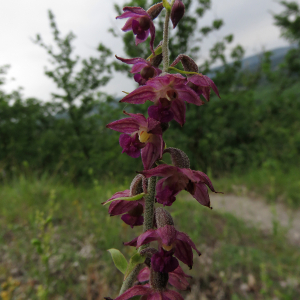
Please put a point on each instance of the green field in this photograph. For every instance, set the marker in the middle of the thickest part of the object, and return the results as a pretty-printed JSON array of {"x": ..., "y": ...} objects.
[{"x": 54, "y": 238}]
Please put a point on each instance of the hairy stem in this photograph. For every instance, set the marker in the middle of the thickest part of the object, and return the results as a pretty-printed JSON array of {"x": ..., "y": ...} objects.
[
  {"x": 148, "y": 224},
  {"x": 149, "y": 204},
  {"x": 129, "y": 281},
  {"x": 165, "y": 44}
]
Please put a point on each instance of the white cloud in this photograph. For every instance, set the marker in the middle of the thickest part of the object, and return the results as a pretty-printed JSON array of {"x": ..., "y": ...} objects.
[{"x": 249, "y": 20}]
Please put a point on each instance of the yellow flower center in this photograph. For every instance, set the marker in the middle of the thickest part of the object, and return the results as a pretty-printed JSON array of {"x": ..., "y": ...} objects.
[
  {"x": 144, "y": 136},
  {"x": 166, "y": 247}
]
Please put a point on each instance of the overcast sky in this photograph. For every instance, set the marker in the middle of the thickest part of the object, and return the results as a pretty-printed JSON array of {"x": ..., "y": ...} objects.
[{"x": 250, "y": 21}]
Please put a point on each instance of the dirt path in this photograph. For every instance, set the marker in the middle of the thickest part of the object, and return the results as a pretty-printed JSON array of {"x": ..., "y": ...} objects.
[{"x": 261, "y": 214}]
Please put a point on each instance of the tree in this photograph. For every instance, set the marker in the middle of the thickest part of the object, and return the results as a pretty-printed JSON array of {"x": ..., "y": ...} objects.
[{"x": 79, "y": 84}]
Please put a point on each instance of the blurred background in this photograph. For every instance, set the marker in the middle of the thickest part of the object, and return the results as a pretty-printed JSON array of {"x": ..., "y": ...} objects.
[{"x": 60, "y": 85}]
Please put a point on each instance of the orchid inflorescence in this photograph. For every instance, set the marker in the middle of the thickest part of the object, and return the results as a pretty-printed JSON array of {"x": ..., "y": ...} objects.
[{"x": 151, "y": 269}]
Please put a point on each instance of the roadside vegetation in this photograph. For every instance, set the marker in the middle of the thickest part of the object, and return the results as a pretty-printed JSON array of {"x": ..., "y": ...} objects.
[
  {"x": 54, "y": 239},
  {"x": 58, "y": 163}
]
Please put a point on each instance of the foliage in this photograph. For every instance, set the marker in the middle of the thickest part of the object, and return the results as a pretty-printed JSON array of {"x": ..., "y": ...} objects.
[{"x": 74, "y": 269}]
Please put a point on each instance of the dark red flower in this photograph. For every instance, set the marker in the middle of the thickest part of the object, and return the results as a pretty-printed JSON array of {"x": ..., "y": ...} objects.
[
  {"x": 202, "y": 85},
  {"x": 142, "y": 68},
  {"x": 171, "y": 87},
  {"x": 145, "y": 134},
  {"x": 131, "y": 210},
  {"x": 178, "y": 179},
  {"x": 140, "y": 23},
  {"x": 169, "y": 239}
]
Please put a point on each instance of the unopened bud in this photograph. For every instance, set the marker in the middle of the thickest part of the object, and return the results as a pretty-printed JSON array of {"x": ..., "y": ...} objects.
[
  {"x": 188, "y": 63},
  {"x": 138, "y": 185},
  {"x": 155, "y": 10},
  {"x": 163, "y": 217},
  {"x": 178, "y": 157},
  {"x": 177, "y": 12}
]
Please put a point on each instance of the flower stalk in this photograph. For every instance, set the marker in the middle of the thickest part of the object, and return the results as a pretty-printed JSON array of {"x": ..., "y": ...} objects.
[
  {"x": 144, "y": 136},
  {"x": 165, "y": 44}
]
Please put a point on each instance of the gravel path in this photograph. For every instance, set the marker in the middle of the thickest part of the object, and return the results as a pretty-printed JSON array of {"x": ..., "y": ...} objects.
[{"x": 261, "y": 214}]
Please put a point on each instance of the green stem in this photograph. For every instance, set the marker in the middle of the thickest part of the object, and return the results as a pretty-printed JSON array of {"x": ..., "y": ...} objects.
[
  {"x": 130, "y": 280},
  {"x": 181, "y": 71},
  {"x": 165, "y": 44}
]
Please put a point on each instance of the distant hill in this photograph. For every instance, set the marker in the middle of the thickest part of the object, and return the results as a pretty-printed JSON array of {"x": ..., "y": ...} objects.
[{"x": 252, "y": 62}]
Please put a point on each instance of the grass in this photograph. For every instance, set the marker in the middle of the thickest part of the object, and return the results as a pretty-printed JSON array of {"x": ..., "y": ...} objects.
[
  {"x": 54, "y": 237},
  {"x": 270, "y": 182}
]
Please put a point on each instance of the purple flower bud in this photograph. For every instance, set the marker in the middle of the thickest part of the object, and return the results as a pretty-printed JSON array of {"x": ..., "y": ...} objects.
[
  {"x": 188, "y": 63},
  {"x": 163, "y": 217},
  {"x": 178, "y": 157},
  {"x": 177, "y": 12},
  {"x": 155, "y": 10}
]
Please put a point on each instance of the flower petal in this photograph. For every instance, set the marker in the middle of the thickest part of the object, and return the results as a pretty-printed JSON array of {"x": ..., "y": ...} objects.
[
  {"x": 200, "y": 193},
  {"x": 138, "y": 67},
  {"x": 177, "y": 278},
  {"x": 167, "y": 234},
  {"x": 178, "y": 109},
  {"x": 120, "y": 207},
  {"x": 152, "y": 32},
  {"x": 141, "y": 36},
  {"x": 125, "y": 193},
  {"x": 132, "y": 61},
  {"x": 136, "y": 10},
  {"x": 161, "y": 171},
  {"x": 184, "y": 253},
  {"x": 147, "y": 237},
  {"x": 140, "y": 118},
  {"x": 134, "y": 291},
  {"x": 132, "y": 220},
  {"x": 152, "y": 152},
  {"x": 127, "y": 125},
  {"x": 187, "y": 94},
  {"x": 172, "y": 295},
  {"x": 131, "y": 145},
  {"x": 144, "y": 275},
  {"x": 153, "y": 126},
  {"x": 131, "y": 243},
  {"x": 205, "y": 179},
  {"x": 128, "y": 25},
  {"x": 140, "y": 95}
]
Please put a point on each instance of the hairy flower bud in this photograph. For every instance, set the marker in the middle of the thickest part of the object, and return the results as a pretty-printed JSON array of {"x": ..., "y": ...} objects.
[
  {"x": 158, "y": 280},
  {"x": 163, "y": 217},
  {"x": 177, "y": 12},
  {"x": 178, "y": 157},
  {"x": 138, "y": 185},
  {"x": 188, "y": 63},
  {"x": 155, "y": 10}
]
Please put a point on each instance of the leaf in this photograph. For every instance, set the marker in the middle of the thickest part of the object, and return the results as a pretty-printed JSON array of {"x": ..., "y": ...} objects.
[
  {"x": 134, "y": 260},
  {"x": 119, "y": 260},
  {"x": 133, "y": 198}
]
